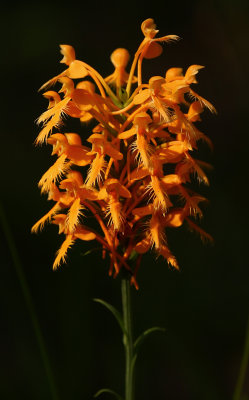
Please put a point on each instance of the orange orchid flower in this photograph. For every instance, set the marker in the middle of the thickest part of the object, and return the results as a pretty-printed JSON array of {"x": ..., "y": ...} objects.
[{"x": 133, "y": 168}]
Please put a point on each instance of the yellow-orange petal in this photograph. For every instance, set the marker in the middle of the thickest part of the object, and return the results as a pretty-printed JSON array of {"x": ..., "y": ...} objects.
[
  {"x": 84, "y": 234},
  {"x": 127, "y": 134},
  {"x": 173, "y": 73},
  {"x": 148, "y": 27},
  {"x": 171, "y": 180},
  {"x": 78, "y": 155},
  {"x": 142, "y": 96},
  {"x": 53, "y": 98},
  {"x": 60, "y": 167},
  {"x": 74, "y": 181},
  {"x": 194, "y": 111},
  {"x": 143, "y": 211},
  {"x": 205, "y": 237},
  {"x": 68, "y": 52},
  {"x": 120, "y": 57},
  {"x": 143, "y": 246},
  {"x": 112, "y": 152},
  {"x": 139, "y": 173},
  {"x": 166, "y": 253},
  {"x": 46, "y": 218},
  {"x": 73, "y": 139},
  {"x": 174, "y": 219},
  {"x": 154, "y": 50},
  {"x": 88, "y": 193},
  {"x": 61, "y": 253},
  {"x": 191, "y": 72},
  {"x": 67, "y": 86},
  {"x": 113, "y": 185},
  {"x": 77, "y": 70},
  {"x": 86, "y": 85},
  {"x": 73, "y": 215},
  {"x": 83, "y": 99},
  {"x": 96, "y": 169},
  {"x": 156, "y": 232}
]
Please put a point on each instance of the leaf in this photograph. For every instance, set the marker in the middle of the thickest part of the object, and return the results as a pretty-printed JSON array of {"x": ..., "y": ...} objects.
[
  {"x": 133, "y": 255},
  {"x": 91, "y": 251},
  {"x": 114, "y": 312},
  {"x": 108, "y": 391},
  {"x": 144, "y": 335}
]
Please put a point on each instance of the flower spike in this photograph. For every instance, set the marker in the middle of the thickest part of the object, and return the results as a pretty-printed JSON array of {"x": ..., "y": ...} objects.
[{"x": 132, "y": 171}]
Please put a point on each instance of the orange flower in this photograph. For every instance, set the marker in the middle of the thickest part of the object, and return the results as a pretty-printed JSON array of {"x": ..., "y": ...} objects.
[{"x": 135, "y": 177}]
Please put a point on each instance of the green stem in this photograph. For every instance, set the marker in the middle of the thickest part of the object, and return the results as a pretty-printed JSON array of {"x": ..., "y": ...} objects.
[
  {"x": 28, "y": 301},
  {"x": 128, "y": 340},
  {"x": 242, "y": 372}
]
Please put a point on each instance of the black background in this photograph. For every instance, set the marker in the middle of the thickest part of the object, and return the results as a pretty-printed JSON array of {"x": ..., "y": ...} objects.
[{"x": 204, "y": 307}]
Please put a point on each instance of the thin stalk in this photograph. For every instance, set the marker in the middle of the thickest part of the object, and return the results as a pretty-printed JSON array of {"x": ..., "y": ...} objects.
[
  {"x": 243, "y": 367},
  {"x": 127, "y": 339},
  {"x": 29, "y": 303}
]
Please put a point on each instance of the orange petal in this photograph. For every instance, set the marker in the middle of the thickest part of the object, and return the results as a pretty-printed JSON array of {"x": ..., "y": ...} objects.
[
  {"x": 139, "y": 173},
  {"x": 83, "y": 99},
  {"x": 120, "y": 57},
  {"x": 47, "y": 217},
  {"x": 59, "y": 168},
  {"x": 194, "y": 111},
  {"x": 78, "y": 155},
  {"x": 205, "y": 237},
  {"x": 84, "y": 234},
  {"x": 73, "y": 215},
  {"x": 77, "y": 70},
  {"x": 191, "y": 72},
  {"x": 112, "y": 152},
  {"x": 143, "y": 211},
  {"x": 61, "y": 253},
  {"x": 173, "y": 73},
  {"x": 68, "y": 52},
  {"x": 73, "y": 110},
  {"x": 148, "y": 27},
  {"x": 166, "y": 253},
  {"x": 175, "y": 218},
  {"x": 73, "y": 139},
  {"x": 142, "y": 96},
  {"x": 143, "y": 246},
  {"x": 127, "y": 134},
  {"x": 88, "y": 193},
  {"x": 171, "y": 180},
  {"x": 154, "y": 50}
]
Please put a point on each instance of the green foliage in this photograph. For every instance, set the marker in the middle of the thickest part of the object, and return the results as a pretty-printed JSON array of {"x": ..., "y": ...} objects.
[{"x": 114, "y": 312}]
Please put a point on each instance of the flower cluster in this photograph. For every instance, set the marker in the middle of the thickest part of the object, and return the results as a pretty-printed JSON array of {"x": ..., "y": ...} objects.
[{"x": 118, "y": 173}]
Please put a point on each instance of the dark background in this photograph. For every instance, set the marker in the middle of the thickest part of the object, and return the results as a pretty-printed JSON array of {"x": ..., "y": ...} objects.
[{"x": 204, "y": 307}]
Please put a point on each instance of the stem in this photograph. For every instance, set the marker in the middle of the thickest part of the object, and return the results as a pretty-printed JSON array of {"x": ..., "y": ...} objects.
[
  {"x": 243, "y": 367},
  {"x": 127, "y": 339}
]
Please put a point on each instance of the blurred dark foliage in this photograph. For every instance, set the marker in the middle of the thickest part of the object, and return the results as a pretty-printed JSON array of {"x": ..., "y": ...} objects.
[{"x": 204, "y": 307}]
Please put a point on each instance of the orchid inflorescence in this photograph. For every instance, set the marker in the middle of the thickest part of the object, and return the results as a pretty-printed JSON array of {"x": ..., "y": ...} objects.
[{"x": 118, "y": 176}]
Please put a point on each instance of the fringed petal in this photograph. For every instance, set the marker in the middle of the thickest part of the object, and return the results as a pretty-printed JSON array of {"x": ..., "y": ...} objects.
[
  {"x": 46, "y": 218},
  {"x": 62, "y": 252},
  {"x": 73, "y": 215},
  {"x": 205, "y": 237},
  {"x": 166, "y": 253},
  {"x": 55, "y": 172}
]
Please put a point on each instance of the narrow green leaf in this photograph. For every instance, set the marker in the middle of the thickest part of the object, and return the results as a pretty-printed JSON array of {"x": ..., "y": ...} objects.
[
  {"x": 114, "y": 312},
  {"x": 91, "y": 251},
  {"x": 133, "y": 255},
  {"x": 108, "y": 391},
  {"x": 145, "y": 334}
]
